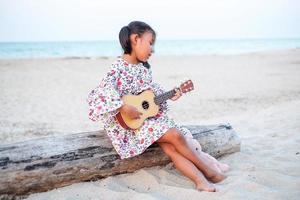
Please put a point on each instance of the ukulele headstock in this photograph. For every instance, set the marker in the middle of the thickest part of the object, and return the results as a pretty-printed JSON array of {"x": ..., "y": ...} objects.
[{"x": 187, "y": 86}]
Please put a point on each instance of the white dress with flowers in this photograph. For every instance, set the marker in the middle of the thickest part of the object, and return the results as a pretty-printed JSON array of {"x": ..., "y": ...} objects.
[{"x": 124, "y": 78}]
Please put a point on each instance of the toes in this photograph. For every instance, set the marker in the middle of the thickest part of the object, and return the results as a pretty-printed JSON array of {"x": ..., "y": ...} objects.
[
  {"x": 213, "y": 189},
  {"x": 209, "y": 188},
  {"x": 226, "y": 167}
]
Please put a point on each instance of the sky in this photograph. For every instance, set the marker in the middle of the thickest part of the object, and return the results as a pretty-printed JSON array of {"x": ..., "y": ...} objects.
[{"x": 85, "y": 20}]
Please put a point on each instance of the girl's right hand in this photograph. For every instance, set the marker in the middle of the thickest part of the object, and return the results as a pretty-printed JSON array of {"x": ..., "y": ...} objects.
[{"x": 130, "y": 111}]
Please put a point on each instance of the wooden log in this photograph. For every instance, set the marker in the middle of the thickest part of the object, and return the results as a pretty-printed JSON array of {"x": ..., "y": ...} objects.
[{"x": 46, "y": 163}]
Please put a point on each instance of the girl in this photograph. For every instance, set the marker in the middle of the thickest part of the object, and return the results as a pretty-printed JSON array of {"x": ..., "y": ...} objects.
[{"x": 131, "y": 74}]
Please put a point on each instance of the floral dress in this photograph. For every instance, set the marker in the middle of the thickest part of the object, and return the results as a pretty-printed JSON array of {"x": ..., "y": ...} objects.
[{"x": 124, "y": 78}]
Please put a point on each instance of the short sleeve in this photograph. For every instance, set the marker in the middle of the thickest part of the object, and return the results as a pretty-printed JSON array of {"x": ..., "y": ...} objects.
[{"x": 105, "y": 99}]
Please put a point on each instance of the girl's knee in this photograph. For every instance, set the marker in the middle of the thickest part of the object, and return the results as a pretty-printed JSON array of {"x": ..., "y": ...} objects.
[
  {"x": 167, "y": 148},
  {"x": 177, "y": 136},
  {"x": 172, "y": 136}
]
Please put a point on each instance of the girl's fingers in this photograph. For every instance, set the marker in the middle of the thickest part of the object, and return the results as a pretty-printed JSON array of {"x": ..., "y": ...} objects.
[{"x": 177, "y": 94}]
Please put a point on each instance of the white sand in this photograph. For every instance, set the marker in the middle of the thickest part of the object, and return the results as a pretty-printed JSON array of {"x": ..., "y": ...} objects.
[{"x": 259, "y": 94}]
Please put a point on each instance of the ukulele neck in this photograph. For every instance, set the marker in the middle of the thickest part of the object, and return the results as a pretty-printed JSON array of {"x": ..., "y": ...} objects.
[{"x": 159, "y": 99}]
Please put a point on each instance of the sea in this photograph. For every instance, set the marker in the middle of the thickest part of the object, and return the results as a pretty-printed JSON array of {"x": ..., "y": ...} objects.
[{"x": 90, "y": 49}]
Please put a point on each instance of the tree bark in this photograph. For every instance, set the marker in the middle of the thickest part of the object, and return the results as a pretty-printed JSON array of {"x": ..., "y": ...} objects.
[{"x": 46, "y": 163}]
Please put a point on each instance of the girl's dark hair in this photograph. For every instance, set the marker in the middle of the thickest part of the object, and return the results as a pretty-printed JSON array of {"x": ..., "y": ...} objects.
[{"x": 135, "y": 27}]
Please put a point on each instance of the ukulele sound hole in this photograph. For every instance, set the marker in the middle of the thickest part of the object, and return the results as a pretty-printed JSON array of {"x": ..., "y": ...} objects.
[{"x": 145, "y": 105}]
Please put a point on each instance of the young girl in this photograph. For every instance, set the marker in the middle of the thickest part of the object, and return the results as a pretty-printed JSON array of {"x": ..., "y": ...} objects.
[{"x": 131, "y": 74}]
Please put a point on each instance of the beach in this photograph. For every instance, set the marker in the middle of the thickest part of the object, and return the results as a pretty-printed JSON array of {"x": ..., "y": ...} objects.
[{"x": 257, "y": 93}]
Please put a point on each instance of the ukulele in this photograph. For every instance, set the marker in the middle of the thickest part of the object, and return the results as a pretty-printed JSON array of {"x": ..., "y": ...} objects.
[{"x": 147, "y": 104}]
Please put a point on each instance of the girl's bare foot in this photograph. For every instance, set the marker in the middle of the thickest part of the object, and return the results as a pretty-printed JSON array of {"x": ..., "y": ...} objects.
[
  {"x": 223, "y": 167},
  {"x": 216, "y": 167},
  {"x": 202, "y": 183},
  {"x": 205, "y": 187},
  {"x": 217, "y": 177}
]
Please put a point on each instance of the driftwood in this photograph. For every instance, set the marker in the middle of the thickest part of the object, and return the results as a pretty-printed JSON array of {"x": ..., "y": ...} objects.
[{"x": 47, "y": 163}]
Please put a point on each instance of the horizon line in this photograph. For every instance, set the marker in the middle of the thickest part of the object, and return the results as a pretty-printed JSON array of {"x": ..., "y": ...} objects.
[{"x": 179, "y": 39}]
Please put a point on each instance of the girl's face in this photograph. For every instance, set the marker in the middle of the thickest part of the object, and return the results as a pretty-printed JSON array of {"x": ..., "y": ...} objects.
[{"x": 143, "y": 46}]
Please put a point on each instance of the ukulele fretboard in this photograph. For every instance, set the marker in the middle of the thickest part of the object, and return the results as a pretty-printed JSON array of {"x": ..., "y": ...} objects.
[{"x": 159, "y": 99}]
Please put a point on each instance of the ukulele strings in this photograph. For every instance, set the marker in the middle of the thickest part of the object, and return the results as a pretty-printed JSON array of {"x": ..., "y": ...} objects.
[{"x": 163, "y": 97}]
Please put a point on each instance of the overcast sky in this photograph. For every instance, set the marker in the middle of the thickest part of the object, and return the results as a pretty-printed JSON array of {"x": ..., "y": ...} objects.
[{"x": 61, "y": 20}]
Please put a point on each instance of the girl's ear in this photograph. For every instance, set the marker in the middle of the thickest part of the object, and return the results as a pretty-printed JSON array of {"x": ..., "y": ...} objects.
[{"x": 134, "y": 38}]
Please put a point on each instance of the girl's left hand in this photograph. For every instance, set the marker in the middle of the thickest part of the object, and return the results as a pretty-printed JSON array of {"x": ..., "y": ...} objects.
[{"x": 177, "y": 95}]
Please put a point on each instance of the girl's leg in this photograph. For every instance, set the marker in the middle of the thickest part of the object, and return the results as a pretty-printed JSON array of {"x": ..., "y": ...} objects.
[
  {"x": 174, "y": 137},
  {"x": 218, "y": 166},
  {"x": 187, "y": 168},
  {"x": 195, "y": 146},
  {"x": 222, "y": 166}
]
